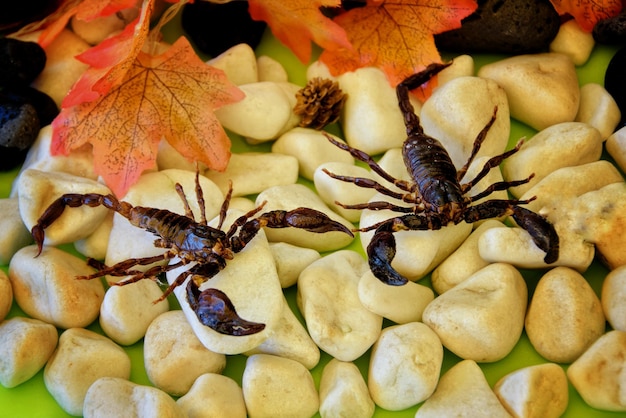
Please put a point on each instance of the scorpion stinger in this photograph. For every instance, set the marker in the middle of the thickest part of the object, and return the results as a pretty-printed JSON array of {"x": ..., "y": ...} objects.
[{"x": 437, "y": 197}]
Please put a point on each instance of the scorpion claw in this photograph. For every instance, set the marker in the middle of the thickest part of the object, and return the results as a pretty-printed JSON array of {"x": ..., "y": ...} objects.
[
  {"x": 313, "y": 221},
  {"x": 380, "y": 251},
  {"x": 215, "y": 310},
  {"x": 38, "y": 235}
]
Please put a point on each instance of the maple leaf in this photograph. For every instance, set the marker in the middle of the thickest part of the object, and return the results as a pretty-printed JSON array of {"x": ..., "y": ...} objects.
[
  {"x": 588, "y": 12},
  {"x": 298, "y": 22},
  {"x": 171, "y": 96},
  {"x": 395, "y": 35}
]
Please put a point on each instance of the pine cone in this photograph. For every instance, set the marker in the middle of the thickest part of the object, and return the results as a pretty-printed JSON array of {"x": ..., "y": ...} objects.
[{"x": 319, "y": 103}]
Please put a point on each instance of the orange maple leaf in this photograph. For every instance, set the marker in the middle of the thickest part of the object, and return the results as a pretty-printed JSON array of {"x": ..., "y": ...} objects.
[
  {"x": 171, "y": 96},
  {"x": 395, "y": 35},
  {"x": 588, "y": 12},
  {"x": 298, "y": 22}
]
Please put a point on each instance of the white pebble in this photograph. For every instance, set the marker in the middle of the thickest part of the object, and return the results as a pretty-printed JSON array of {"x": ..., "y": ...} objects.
[
  {"x": 598, "y": 109},
  {"x": 616, "y": 147},
  {"x": 81, "y": 358},
  {"x": 462, "y": 66},
  {"x": 311, "y": 148},
  {"x": 94, "y": 31},
  {"x": 213, "y": 395},
  {"x": 573, "y": 41},
  {"x": 269, "y": 69},
  {"x": 127, "y": 311},
  {"x": 45, "y": 287},
  {"x": 481, "y": 318},
  {"x": 13, "y": 233},
  {"x": 6, "y": 295},
  {"x": 404, "y": 366},
  {"x": 349, "y": 329},
  {"x": 291, "y": 260},
  {"x": 613, "y": 298},
  {"x": 239, "y": 63},
  {"x": 174, "y": 357},
  {"x": 542, "y": 89},
  {"x": 25, "y": 346},
  {"x": 343, "y": 392},
  {"x": 564, "y": 316},
  {"x": 457, "y": 111},
  {"x": 95, "y": 245},
  {"x": 276, "y": 387}
]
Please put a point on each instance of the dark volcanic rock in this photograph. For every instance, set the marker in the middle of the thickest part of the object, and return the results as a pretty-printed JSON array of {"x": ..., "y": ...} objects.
[
  {"x": 504, "y": 26},
  {"x": 19, "y": 124},
  {"x": 21, "y": 61},
  {"x": 611, "y": 31},
  {"x": 214, "y": 28},
  {"x": 615, "y": 83}
]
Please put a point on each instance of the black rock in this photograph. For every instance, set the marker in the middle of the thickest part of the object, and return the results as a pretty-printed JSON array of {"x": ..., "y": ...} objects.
[
  {"x": 214, "y": 27},
  {"x": 611, "y": 31},
  {"x": 19, "y": 124},
  {"x": 504, "y": 26},
  {"x": 44, "y": 105},
  {"x": 21, "y": 62},
  {"x": 11, "y": 157},
  {"x": 18, "y": 13},
  {"x": 615, "y": 83}
]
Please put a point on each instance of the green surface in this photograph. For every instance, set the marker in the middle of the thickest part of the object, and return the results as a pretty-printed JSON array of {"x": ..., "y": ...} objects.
[{"x": 32, "y": 400}]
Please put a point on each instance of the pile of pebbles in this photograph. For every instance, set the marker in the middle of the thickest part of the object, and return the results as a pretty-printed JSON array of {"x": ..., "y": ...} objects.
[{"x": 478, "y": 305}]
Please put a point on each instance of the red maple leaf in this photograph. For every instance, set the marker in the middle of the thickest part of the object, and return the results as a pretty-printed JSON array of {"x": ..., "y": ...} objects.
[
  {"x": 395, "y": 35},
  {"x": 588, "y": 12},
  {"x": 172, "y": 95},
  {"x": 298, "y": 22}
]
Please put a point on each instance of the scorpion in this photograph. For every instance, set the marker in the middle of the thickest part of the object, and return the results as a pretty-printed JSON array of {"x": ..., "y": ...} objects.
[
  {"x": 436, "y": 194},
  {"x": 191, "y": 242}
]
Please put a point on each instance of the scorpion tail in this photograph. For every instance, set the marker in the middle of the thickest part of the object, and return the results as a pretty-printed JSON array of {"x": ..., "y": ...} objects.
[
  {"x": 215, "y": 310},
  {"x": 380, "y": 252},
  {"x": 542, "y": 232}
]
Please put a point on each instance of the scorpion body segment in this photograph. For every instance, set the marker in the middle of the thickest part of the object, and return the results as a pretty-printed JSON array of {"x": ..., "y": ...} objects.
[
  {"x": 435, "y": 193},
  {"x": 205, "y": 249}
]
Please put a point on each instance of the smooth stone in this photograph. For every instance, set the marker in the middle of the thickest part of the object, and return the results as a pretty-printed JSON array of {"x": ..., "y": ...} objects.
[
  {"x": 291, "y": 260},
  {"x": 6, "y": 295},
  {"x": 26, "y": 344},
  {"x": 463, "y": 262},
  {"x": 263, "y": 115},
  {"x": 343, "y": 391},
  {"x": 514, "y": 27},
  {"x": 564, "y": 316},
  {"x": 573, "y": 41},
  {"x": 276, "y": 387},
  {"x": 23, "y": 61},
  {"x": 45, "y": 287},
  {"x": 614, "y": 81},
  {"x": 462, "y": 66},
  {"x": 96, "y": 244},
  {"x": 400, "y": 304},
  {"x": 561, "y": 145},
  {"x": 127, "y": 311},
  {"x": 598, "y": 374},
  {"x": 371, "y": 119},
  {"x": 539, "y": 391},
  {"x": 613, "y": 298},
  {"x": 289, "y": 339},
  {"x": 542, "y": 89},
  {"x": 598, "y": 109},
  {"x": 482, "y": 317},
  {"x": 13, "y": 233},
  {"x": 567, "y": 182},
  {"x": 174, "y": 357},
  {"x": 238, "y": 63},
  {"x": 81, "y": 358},
  {"x": 39, "y": 157},
  {"x": 332, "y": 190},
  {"x": 311, "y": 148},
  {"x": 418, "y": 252},
  {"x": 349, "y": 329},
  {"x": 457, "y": 111},
  {"x": 269, "y": 69},
  {"x": 213, "y": 395},
  {"x": 116, "y": 397},
  {"x": 293, "y": 196},
  {"x": 462, "y": 391},
  {"x": 94, "y": 31},
  {"x": 157, "y": 190},
  {"x": 252, "y": 172},
  {"x": 251, "y": 282},
  {"x": 616, "y": 147},
  {"x": 37, "y": 190},
  {"x": 404, "y": 366}
]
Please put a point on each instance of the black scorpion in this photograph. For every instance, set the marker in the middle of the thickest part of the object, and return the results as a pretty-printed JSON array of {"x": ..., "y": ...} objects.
[{"x": 437, "y": 196}]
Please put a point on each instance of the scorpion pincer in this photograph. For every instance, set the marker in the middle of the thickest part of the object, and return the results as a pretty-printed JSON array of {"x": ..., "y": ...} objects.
[
  {"x": 193, "y": 243},
  {"x": 436, "y": 194}
]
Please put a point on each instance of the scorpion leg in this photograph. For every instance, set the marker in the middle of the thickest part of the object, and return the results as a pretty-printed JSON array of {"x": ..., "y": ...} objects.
[
  {"x": 491, "y": 163},
  {"x": 382, "y": 248},
  {"x": 541, "y": 231},
  {"x": 215, "y": 310},
  {"x": 478, "y": 142}
]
